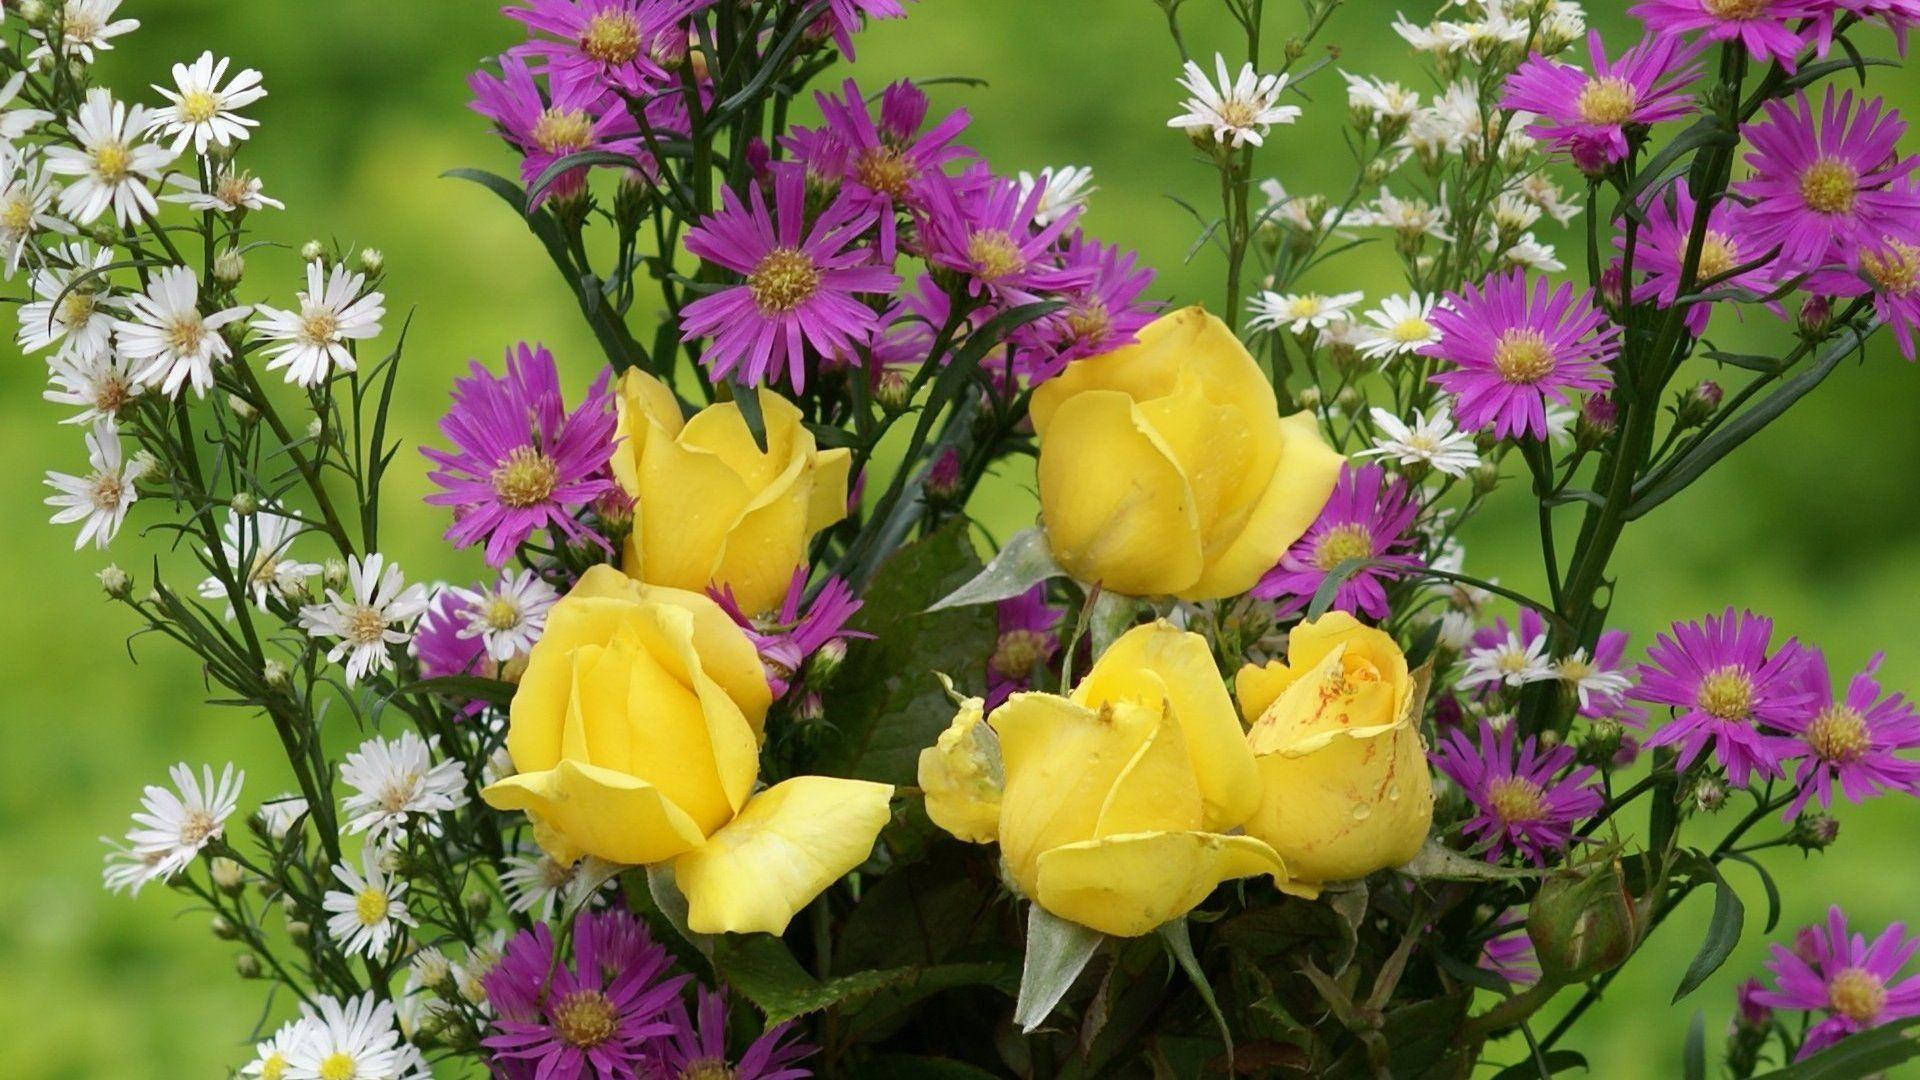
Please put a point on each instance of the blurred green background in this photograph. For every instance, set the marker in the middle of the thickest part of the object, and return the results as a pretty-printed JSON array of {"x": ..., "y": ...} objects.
[{"x": 1814, "y": 522}]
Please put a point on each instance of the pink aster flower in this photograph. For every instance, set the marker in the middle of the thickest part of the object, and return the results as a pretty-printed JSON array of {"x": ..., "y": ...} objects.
[
  {"x": 1887, "y": 268},
  {"x": 696, "y": 1046},
  {"x": 521, "y": 462},
  {"x": 1101, "y": 315},
  {"x": 1725, "y": 686},
  {"x": 605, "y": 45},
  {"x": 1825, "y": 183},
  {"x": 1028, "y": 641},
  {"x": 1525, "y": 801},
  {"x": 1588, "y": 115},
  {"x": 441, "y": 649},
  {"x": 799, "y": 286},
  {"x": 578, "y": 117},
  {"x": 1842, "y": 975},
  {"x": 1853, "y": 741},
  {"x": 843, "y": 19},
  {"x": 980, "y": 225},
  {"x": 1365, "y": 518},
  {"x": 1898, "y": 15},
  {"x": 597, "y": 1017},
  {"x": 1660, "y": 253},
  {"x": 1513, "y": 349},
  {"x": 788, "y": 638},
  {"x": 880, "y": 163},
  {"x": 1760, "y": 26}
]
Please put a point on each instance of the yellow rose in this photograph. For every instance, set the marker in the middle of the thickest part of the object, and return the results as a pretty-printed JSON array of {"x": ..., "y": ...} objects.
[
  {"x": 635, "y": 737},
  {"x": 1166, "y": 469},
  {"x": 960, "y": 775},
  {"x": 710, "y": 508},
  {"x": 1343, "y": 768},
  {"x": 1117, "y": 800}
]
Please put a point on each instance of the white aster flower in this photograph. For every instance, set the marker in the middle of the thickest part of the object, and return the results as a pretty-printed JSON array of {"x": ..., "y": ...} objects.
[
  {"x": 1377, "y": 98},
  {"x": 311, "y": 342},
  {"x": 1237, "y": 110},
  {"x": 112, "y": 165},
  {"x": 100, "y": 386},
  {"x": 100, "y": 499},
  {"x": 369, "y": 912},
  {"x": 278, "y": 815},
  {"x": 26, "y": 197},
  {"x": 1295, "y": 211},
  {"x": 364, "y": 621},
  {"x": 15, "y": 123},
  {"x": 395, "y": 781},
  {"x": 271, "y": 1058},
  {"x": 86, "y": 26},
  {"x": 1298, "y": 312},
  {"x": 1062, "y": 189},
  {"x": 1528, "y": 253},
  {"x": 1560, "y": 420},
  {"x": 509, "y": 617},
  {"x": 1513, "y": 213},
  {"x": 232, "y": 191},
  {"x": 203, "y": 112},
  {"x": 1401, "y": 325},
  {"x": 172, "y": 827},
  {"x": 1408, "y": 217},
  {"x": 1508, "y": 663},
  {"x": 260, "y": 542},
  {"x": 1426, "y": 39},
  {"x": 172, "y": 343},
  {"x": 1429, "y": 441},
  {"x": 75, "y": 314},
  {"x": 538, "y": 884},
  {"x": 127, "y": 870},
  {"x": 470, "y": 971},
  {"x": 1538, "y": 189},
  {"x": 357, "y": 1040},
  {"x": 1456, "y": 629},
  {"x": 1588, "y": 679}
]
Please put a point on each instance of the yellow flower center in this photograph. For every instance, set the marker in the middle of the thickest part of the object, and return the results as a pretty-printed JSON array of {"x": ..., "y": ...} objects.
[
  {"x": 186, "y": 334},
  {"x": 1305, "y": 307},
  {"x": 584, "y": 1019},
  {"x": 274, "y": 1067},
  {"x": 1089, "y": 322},
  {"x": 995, "y": 255},
  {"x": 366, "y": 626},
  {"x": 339, "y": 1065},
  {"x": 1341, "y": 543},
  {"x": 554, "y": 875},
  {"x": 561, "y": 131},
  {"x": 1894, "y": 269},
  {"x": 526, "y": 478},
  {"x": 1857, "y": 994},
  {"x": 1239, "y": 113},
  {"x": 1016, "y": 653},
  {"x": 612, "y": 37},
  {"x": 1829, "y": 186},
  {"x": 1736, "y": 9},
  {"x": 370, "y": 907},
  {"x": 199, "y": 106},
  {"x": 232, "y": 188},
  {"x": 80, "y": 25},
  {"x": 883, "y": 169},
  {"x": 398, "y": 793},
  {"x": 784, "y": 280},
  {"x": 1515, "y": 798},
  {"x": 110, "y": 161},
  {"x": 319, "y": 328},
  {"x": 1575, "y": 668},
  {"x": 1727, "y": 694},
  {"x": 108, "y": 490},
  {"x": 1838, "y": 734},
  {"x": 501, "y": 614},
  {"x": 17, "y": 216},
  {"x": 1411, "y": 329},
  {"x": 198, "y": 826},
  {"x": 1523, "y": 356},
  {"x": 1719, "y": 253},
  {"x": 708, "y": 1069},
  {"x": 1609, "y": 100},
  {"x": 76, "y": 309}
]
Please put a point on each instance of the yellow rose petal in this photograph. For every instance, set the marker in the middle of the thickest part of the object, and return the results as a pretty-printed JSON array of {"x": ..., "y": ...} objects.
[
  {"x": 1061, "y": 761},
  {"x": 1129, "y": 885},
  {"x": 962, "y": 777},
  {"x": 600, "y": 812}
]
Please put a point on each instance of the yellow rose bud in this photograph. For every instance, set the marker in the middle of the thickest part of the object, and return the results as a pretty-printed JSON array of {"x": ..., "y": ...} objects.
[
  {"x": 1117, "y": 799},
  {"x": 961, "y": 777},
  {"x": 712, "y": 509},
  {"x": 635, "y": 738},
  {"x": 1343, "y": 770},
  {"x": 1166, "y": 468}
]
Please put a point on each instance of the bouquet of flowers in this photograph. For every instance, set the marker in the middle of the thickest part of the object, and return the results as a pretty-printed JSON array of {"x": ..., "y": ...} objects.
[{"x": 752, "y": 755}]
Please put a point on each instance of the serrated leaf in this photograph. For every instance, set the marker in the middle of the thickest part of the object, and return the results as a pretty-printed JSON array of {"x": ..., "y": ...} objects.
[
  {"x": 1057, "y": 952},
  {"x": 1288, "y": 927},
  {"x": 1025, "y": 561},
  {"x": 762, "y": 969}
]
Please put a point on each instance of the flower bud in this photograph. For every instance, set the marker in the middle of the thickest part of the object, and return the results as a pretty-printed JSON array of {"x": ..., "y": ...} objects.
[
  {"x": 144, "y": 465},
  {"x": 1308, "y": 398},
  {"x": 370, "y": 262},
  {"x": 1814, "y": 832},
  {"x": 825, "y": 662},
  {"x": 891, "y": 390},
  {"x": 943, "y": 479},
  {"x": 246, "y": 965},
  {"x": 275, "y": 672},
  {"x": 244, "y": 503},
  {"x": 1708, "y": 794},
  {"x": 299, "y": 931},
  {"x": 1816, "y": 317},
  {"x": 34, "y": 13},
  {"x": 1599, "y": 418},
  {"x": 223, "y": 928},
  {"x": 1379, "y": 169},
  {"x": 153, "y": 598},
  {"x": 242, "y": 409},
  {"x": 479, "y": 904},
  {"x": 335, "y": 572},
  {"x": 1583, "y": 922},
  {"x": 811, "y": 709},
  {"x": 315, "y": 428},
  {"x": 615, "y": 513},
  {"x": 1485, "y": 476},
  {"x": 227, "y": 875},
  {"x": 117, "y": 582},
  {"x": 313, "y": 251},
  {"x": 1602, "y": 741},
  {"x": 1698, "y": 404},
  {"x": 1348, "y": 400}
]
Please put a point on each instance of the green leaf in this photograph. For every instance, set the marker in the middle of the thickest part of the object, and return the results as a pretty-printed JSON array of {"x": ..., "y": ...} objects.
[
  {"x": 508, "y": 191},
  {"x": 1557, "y": 1062},
  {"x": 747, "y": 400},
  {"x": 1112, "y": 615},
  {"x": 1330, "y": 586},
  {"x": 1024, "y": 562},
  {"x": 1723, "y": 933},
  {"x": 467, "y": 687},
  {"x": 1856, "y": 1056},
  {"x": 922, "y": 912},
  {"x": 1693, "y": 1060},
  {"x": 1180, "y": 945},
  {"x": 1767, "y": 883},
  {"x": 896, "y": 707},
  {"x": 1287, "y": 929},
  {"x": 762, "y": 968},
  {"x": 1440, "y": 862},
  {"x": 1057, "y": 952},
  {"x": 580, "y": 160},
  {"x": 889, "y": 1004}
]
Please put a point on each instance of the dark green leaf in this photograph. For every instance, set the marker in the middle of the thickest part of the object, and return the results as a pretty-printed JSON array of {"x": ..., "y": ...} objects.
[
  {"x": 747, "y": 400},
  {"x": 1723, "y": 932},
  {"x": 1857, "y": 1056},
  {"x": 1289, "y": 927},
  {"x": 580, "y": 160},
  {"x": 508, "y": 191},
  {"x": 1557, "y": 1062},
  {"x": 1767, "y": 883},
  {"x": 1330, "y": 586},
  {"x": 467, "y": 687},
  {"x": 1693, "y": 1060},
  {"x": 762, "y": 969}
]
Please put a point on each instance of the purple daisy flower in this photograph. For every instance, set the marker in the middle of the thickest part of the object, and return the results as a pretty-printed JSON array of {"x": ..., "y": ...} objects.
[
  {"x": 880, "y": 163},
  {"x": 1365, "y": 518},
  {"x": 1841, "y": 974},
  {"x": 843, "y": 19},
  {"x": 1101, "y": 315},
  {"x": 1720, "y": 679},
  {"x": 1587, "y": 115},
  {"x": 696, "y": 1046},
  {"x": 1823, "y": 183},
  {"x": 980, "y": 225},
  {"x": 1509, "y": 952},
  {"x": 1854, "y": 740},
  {"x": 441, "y": 649},
  {"x": 790, "y": 637},
  {"x": 604, "y": 45},
  {"x": 1522, "y": 801},
  {"x": 1887, "y": 268},
  {"x": 799, "y": 283},
  {"x": 1513, "y": 349},
  {"x": 597, "y": 1017},
  {"x": 1029, "y": 638},
  {"x": 1898, "y": 15},
  {"x": 1760, "y": 26},
  {"x": 578, "y": 117},
  {"x": 1660, "y": 252},
  {"x": 521, "y": 462}
]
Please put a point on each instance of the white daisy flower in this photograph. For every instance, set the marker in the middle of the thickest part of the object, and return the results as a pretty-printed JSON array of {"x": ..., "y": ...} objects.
[
  {"x": 536, "y": 883},
  {"x": 1509, "y": 663},
  {"x": 202, "y": 112},
  {"x": 26, "y": 197},
  {"x": 356, "y": 1039},
  {"x": 1295, "y": 211},
  {"x": 171, "y": 828},
  {"x": 1588, "y": 679},
  {"x": 232, "y": 191},
  {"x": 100, "y": 386},
  {"x": 1426, "y": 441},
  {"x": 1514, "y": 213},
  {"x": 76, "y": 317},
  {"x": 1408, "y": 217},
  {"x": 1238, "y": 110},
  {"x": 86, "y": 26},
  {"x": 15, "y": 123},
  {"x": 127, "y": 870},
  {"x": 271, "y": 1058},
  {"x": 369, "y": 912},
  {"x": 278, "y": 815},
  {"x": 1061, "y": 189},
  {"x": 1401, "y": 325},
  {"x": 311, "y": 342},
  {"x": 1298, "y": 312},
  {"x": 509, "y": 617},
  {"x": 1456, "y": 630},
  {"x": 396, "y": 781},
  {"x": 172, "y": 343},
  {"x": 1538, "y": 189},
  {"x": 1380, "y": 99},
  {"x": 1528, "y": 253},
  {"x": 112, "y": 164},
  {"x": 364, "y": 621},
  {"x": 1426, "y": 39},
  {"x": 260, "y": 542},
  {"x": 100, "y": 499},
  {"x": 470, "y": 971}
]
